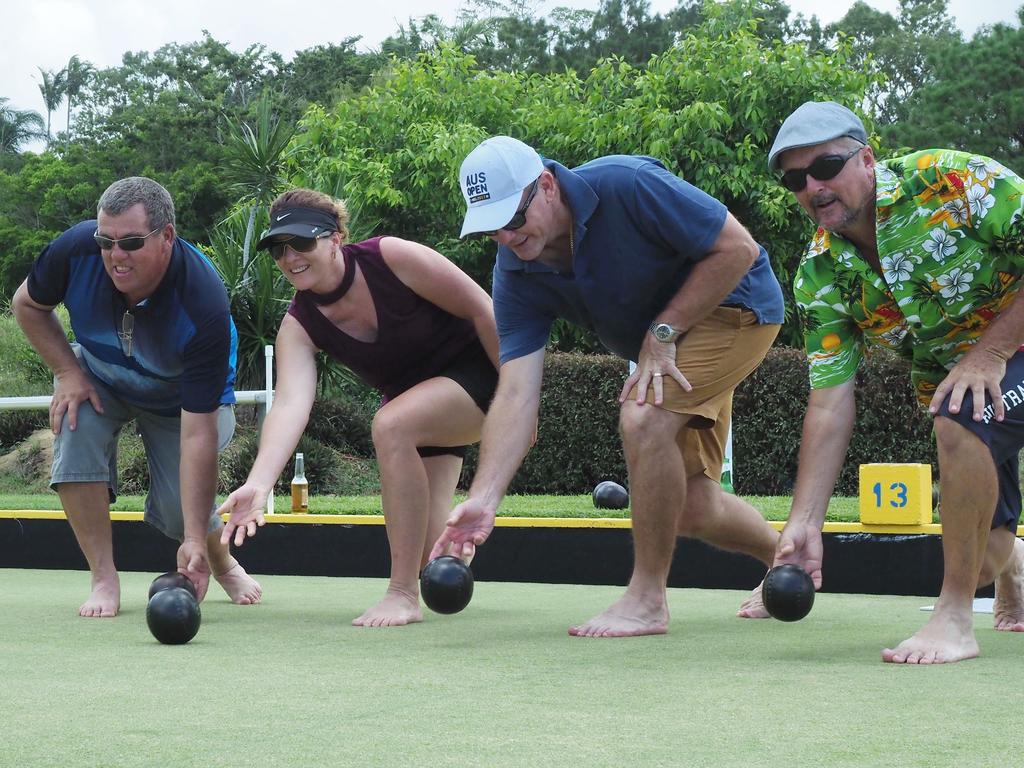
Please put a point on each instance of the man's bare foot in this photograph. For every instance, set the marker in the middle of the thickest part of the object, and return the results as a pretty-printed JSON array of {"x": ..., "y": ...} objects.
[
  {"x": 396, "y": 609},
  {"x": 753, "y": 606},
  {"x": 947, "y": 637},
  {"x": 104, "y": 601},
  {"x": 1008, "y": 607},
  {"x": 242, "y": 588},
  {"x": 629, "y": 617}
]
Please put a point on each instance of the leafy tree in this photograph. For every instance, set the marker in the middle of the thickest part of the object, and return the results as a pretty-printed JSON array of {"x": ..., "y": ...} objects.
[
  {"x": 975, "y": 99},
  {"x": 324, "y": 73},
  {"x": 896, "y": 47},
  {"x": 394, "y": 150},
  {"x": 18, "y": 127}
]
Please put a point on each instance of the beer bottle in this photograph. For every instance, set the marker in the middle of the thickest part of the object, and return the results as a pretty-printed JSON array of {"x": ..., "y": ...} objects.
[{"x": 300, "y": 488}]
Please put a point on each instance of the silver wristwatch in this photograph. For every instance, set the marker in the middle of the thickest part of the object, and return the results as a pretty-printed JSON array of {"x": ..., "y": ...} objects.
[{"x": 664, "y": 332}]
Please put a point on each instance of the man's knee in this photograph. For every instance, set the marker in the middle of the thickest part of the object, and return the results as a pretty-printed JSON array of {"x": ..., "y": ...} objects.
[
  {"x": 702, "y": 509},
  {"x": 954, "y": 440}
]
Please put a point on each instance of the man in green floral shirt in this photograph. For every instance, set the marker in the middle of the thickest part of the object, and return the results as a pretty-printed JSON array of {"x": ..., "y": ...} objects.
[{"x": 924, "y": 255}]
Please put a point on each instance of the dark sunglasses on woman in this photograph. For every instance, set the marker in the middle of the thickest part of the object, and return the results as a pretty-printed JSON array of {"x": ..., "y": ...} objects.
[
  {"x": 823, "y": 168},
  {"x": 297, "y": 244}
]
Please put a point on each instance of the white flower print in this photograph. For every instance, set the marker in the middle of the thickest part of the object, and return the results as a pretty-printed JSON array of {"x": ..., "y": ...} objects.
[
  {"x": 980, "y": 200},
  {"x": 898, "y": 267},
  {"x": 982, "y": 168},
  {"x": 940, "y": 244},
  {"x": 957, "y": 211},
  {"x": 955, "y": 283}
]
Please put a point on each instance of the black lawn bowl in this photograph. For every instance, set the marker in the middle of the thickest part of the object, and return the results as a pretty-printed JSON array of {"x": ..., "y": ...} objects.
[
  {"x": 610, "y": 495},
  {"x": 446, "y": 584},
  {"x": 173, "y": 616},
  {"x": 788, "y": 592}
]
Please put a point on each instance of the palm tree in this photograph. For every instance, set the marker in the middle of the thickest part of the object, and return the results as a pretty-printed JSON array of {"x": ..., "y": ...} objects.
[
  {"x": 17, "y": 127},
  {"x": 257, "y": 156},
  {"x": 52, "y": 88},
  {"x": 76, "y": 75},
  {"x": 255, "y": 167}
]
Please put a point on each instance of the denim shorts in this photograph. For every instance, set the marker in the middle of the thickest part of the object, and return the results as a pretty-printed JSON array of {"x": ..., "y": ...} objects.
[{"x": 89, "y": 455}]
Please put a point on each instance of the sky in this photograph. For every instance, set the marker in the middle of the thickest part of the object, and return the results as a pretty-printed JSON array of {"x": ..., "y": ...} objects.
[{"x": 46, "y": 33}]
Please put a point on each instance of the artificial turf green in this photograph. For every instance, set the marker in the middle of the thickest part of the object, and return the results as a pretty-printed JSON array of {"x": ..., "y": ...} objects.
[{"x": 290, "y": 683}]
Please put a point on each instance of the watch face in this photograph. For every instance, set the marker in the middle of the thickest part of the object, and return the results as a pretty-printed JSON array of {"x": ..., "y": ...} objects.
[{"x": 663, "y": 332}]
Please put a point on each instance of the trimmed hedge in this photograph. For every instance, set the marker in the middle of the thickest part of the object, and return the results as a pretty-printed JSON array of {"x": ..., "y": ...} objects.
[{"x": 768, "y": 411}]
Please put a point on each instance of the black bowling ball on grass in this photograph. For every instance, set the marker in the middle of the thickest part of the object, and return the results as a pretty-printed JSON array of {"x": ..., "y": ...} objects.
[
  {"x": 170, "y": 580},
  {"x": 788, "y": 592},
  {"x": 610, "y": 495},
  {"x": 173, "y": 616},
  {"x": 446, "y": 584}
]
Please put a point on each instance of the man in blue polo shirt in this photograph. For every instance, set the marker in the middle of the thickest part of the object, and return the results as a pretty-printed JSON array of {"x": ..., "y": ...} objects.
[
  {"x": 155, "y": 343},
  {"x": 664, "y": 275}
]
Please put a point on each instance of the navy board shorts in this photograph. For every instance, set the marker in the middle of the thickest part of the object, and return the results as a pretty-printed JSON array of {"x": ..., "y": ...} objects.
[{"x": 1004, "y": 439}]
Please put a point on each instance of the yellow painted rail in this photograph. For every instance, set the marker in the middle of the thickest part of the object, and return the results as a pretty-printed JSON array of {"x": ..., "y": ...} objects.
[{"x": 502, "y": 522}]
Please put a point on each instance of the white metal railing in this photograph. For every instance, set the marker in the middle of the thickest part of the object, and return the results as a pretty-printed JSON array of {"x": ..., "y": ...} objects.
[{"x": 263, "y": 396}]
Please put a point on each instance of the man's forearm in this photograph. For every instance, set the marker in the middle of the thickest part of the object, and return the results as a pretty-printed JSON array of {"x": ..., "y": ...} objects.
[
  {"x": 509, "y": 428},
  {"x": 198, "y": 472},
  {"x": 46, "y": 335},
  {"x": 712, "y": 279},
  {"x": 828, "y": 425}
]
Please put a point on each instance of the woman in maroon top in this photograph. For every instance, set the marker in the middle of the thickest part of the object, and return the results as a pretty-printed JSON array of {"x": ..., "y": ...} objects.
[{"x": 408, "y": 322}]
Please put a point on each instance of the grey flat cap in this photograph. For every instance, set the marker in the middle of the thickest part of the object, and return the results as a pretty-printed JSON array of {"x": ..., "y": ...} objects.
[{"x": 815, "y": 122}]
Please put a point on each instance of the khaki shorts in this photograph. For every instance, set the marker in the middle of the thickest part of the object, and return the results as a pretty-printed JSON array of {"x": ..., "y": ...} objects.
[{"x": 714, "y": 356}]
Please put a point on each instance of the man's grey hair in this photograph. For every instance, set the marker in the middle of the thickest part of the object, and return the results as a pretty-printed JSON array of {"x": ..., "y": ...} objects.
[{"x": 126, "y": 193}]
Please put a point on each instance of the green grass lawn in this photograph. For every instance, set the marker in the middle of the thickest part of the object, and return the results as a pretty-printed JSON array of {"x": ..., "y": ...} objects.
[
  {"x": 291, "y": 684},
  {"x": 842, "y": 509}
]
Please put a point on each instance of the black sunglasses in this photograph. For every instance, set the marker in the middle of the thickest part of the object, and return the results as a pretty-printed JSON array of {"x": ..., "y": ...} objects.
[
  {"x": 519, "y": 217},
  {"x": 132, "y": 243},
  {"x": 297, "y": 244},
  {"x": 823, "y": 168}
]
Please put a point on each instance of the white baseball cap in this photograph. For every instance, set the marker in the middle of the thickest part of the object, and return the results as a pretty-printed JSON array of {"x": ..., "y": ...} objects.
[{"x": 492, "y": 178}]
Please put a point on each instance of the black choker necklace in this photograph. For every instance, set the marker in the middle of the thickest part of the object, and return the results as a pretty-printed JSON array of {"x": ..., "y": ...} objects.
[{"x": 341, "y": 290}]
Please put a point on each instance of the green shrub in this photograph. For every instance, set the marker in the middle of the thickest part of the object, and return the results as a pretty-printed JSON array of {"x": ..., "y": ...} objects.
[
  {"x": 336, "y": 447},
  {"x": 768, "y": 411},
  {"x": 578, "y": 437}
]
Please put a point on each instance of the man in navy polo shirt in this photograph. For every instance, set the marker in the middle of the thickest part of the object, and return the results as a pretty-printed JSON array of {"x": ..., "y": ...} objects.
[
  {"x": 665, "y": 276},
  {"x": 155, "y": 343}
]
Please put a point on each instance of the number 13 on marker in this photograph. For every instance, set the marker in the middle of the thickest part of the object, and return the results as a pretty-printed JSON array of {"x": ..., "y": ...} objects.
[{"x": 896, "y": 494}]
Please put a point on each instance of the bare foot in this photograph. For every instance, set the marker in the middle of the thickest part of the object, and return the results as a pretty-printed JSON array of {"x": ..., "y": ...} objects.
[
  {"x": 1008, "y": 607},
  {"x": 396, "y": 609},
  {"x": 947, "y": 637},
  {"x": 753, "y": 606},
  {"x": 629, "y": 617},
  {"x": 104, "y": 601},
  {"x": 242, "y": 588}
]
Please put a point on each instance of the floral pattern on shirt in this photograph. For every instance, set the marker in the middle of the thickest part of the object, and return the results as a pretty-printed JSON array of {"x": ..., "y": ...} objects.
[{"x": 950, "y": 230}]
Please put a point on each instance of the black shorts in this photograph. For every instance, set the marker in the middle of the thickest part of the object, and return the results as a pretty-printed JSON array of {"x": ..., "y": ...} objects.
[
  {"x": 474, "y": 372},
  {"x": 1004, "y": 439}
]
